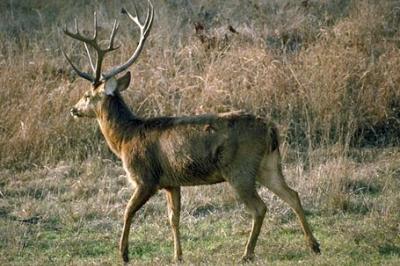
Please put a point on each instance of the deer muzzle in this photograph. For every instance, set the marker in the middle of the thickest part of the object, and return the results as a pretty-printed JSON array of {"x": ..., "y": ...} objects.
[{"x": 74, "y": 112}]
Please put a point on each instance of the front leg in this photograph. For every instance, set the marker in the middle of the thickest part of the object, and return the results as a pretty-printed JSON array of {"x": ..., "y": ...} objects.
[
  {"x": 174, "y": 208},
  {"x": 138, "y": 199}
]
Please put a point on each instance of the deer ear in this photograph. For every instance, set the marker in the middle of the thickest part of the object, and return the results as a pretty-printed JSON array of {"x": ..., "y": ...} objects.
[
  {"x": 110, "y": 86},
  {"x": 123, "y": 82}
]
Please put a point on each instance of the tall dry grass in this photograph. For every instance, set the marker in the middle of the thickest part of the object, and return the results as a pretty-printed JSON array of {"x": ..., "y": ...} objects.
[{"x": 326, "y": 71}]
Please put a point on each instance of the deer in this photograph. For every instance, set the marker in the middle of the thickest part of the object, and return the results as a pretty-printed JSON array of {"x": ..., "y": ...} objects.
[{"x": 170, "y": 152}]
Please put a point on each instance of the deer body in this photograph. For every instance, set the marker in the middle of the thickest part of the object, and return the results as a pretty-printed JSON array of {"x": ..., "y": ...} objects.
[
  {"x": 183, "y": 151},
  {"x": 170, "y": 152}
]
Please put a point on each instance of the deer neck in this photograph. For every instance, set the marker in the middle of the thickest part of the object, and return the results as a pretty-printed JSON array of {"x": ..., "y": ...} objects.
[{"x": 116, "y": 122}]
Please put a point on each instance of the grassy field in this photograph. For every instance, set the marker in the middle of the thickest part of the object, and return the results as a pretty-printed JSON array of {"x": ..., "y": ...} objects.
[
  {"x": 325, "y": 71},
  {"x": 71, "y": 214}
]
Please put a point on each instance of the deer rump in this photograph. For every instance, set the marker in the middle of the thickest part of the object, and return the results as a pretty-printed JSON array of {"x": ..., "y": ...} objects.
[{"x": 187, "y": 151}]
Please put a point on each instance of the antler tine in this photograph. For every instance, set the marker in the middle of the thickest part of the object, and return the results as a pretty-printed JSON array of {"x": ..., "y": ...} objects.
[
  {"x": 134, "y": 18},
  {"x": 144, "y": 30},
  {"x": 90, "y": 58},
  {"x": 102, "y": 52},
  {"x": 95, "y": 25},
  {"x": 149, "y": 19},
  {"x": 78, "y": 36},
  {"x": 94, "y": 38},
  {"x": 80, "y": 73},
  {"x": 76, "y": 26},
  {"x": 112, "y": 36}
]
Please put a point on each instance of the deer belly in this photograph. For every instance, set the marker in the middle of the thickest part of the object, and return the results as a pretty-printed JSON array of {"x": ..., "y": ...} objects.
[{"x": 192, "y": 174}]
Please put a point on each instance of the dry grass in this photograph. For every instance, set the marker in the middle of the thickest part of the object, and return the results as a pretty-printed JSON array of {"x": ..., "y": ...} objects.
[
  {"x": 325, "y": 71},
  {"x": 336, "y": 87}
]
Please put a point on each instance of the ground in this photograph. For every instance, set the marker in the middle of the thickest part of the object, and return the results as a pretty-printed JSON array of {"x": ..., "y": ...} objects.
[{"x": 72, "y": 214}]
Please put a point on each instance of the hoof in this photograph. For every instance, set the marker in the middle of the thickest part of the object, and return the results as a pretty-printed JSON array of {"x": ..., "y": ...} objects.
[
  {"x": 247, "y": 258},
  {"x": 125, "y": 256},
  {"x": 178, "y": 259},
  {"x": 315, "y": 247}
]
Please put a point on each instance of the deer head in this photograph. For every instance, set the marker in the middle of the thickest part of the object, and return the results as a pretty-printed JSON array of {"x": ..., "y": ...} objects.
[{"x": 106, "y": 84}]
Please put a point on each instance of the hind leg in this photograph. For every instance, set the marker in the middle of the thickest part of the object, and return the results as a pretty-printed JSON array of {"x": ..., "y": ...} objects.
[
  {"x": 271, "y": 176},
  {"x": 245, "y": 190},
  {"x": 291, "y": 197}
]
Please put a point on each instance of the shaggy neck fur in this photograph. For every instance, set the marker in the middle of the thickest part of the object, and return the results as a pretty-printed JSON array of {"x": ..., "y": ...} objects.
[{"x": 117, "y": 122}]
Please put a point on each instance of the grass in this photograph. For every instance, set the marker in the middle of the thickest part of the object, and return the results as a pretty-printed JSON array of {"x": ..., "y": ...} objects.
[
  {"x": 73, "y": 215},
  {"x": 325, "y": 71}
]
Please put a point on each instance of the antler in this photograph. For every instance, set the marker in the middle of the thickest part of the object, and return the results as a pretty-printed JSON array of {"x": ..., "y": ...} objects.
[
  {"x": 144, "y": 32},
  {"x": 94, "y": 44},
  {"x": 98, "y": 76}
]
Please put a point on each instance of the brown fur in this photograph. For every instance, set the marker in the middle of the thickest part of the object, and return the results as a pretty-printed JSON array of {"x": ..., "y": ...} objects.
[{"x": 177, "y": 151}]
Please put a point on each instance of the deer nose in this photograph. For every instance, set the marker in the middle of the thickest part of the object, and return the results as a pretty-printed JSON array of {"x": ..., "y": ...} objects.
[{"x": 74, "y": 111}]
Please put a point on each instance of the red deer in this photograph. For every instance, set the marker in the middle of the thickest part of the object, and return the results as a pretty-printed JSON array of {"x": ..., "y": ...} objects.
[{"x": 170, "y": 152}]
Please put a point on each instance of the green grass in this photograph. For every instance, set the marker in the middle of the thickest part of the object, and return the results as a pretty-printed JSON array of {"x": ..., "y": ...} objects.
[{"x": 345, "y": 239}]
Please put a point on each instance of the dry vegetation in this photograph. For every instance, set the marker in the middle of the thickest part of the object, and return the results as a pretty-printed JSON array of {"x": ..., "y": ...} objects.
[{"x": 325, "y": 71}]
